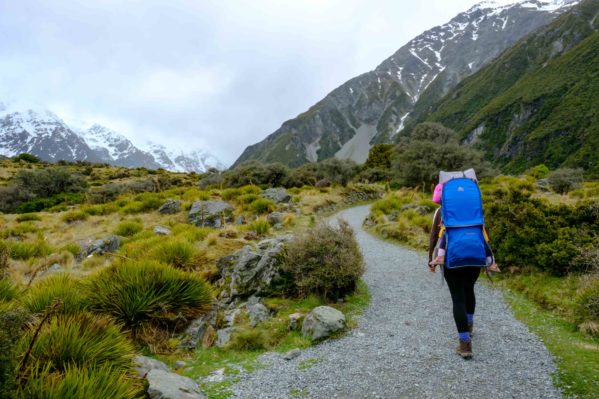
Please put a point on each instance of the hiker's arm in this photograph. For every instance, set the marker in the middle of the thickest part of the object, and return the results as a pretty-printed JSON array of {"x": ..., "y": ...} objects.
[{"x": 434, "y": 237}]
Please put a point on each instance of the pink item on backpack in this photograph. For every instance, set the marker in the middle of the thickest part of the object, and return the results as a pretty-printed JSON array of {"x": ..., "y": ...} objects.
[{"x": 437, "y": 193}]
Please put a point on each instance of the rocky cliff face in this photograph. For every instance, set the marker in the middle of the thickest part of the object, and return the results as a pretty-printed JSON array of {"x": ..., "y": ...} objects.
[{"x": 374, "y": 107}]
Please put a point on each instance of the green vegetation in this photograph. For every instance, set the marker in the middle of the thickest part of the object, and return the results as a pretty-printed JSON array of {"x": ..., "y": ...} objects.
[
  {"x": 177, "y": 253},
  {"x": 74, "y": 216},
  {"x": 128, "y": 228},
  {"x": 57, "y": 287}
]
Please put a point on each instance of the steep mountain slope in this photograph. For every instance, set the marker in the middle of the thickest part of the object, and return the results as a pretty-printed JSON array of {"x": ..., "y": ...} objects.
[
  {"x": 43, "y": 134},
  {"x": 373, "y": 107},
  {"x": 178, "y": 160},
  {"x": 538, "y": 102}
]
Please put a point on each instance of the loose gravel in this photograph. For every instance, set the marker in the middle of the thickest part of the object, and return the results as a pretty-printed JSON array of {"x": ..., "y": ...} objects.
[{"x": 404, "y": 345}]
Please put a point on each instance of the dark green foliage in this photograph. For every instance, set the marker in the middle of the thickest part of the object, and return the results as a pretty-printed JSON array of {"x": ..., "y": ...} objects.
[
  {"x": 13, "y": 321},
  {"x": 526, "y": 231},
  {"x": 249, "y": 340},
  {"x": 379, "y": 156},
  {"x": 325, "y": 261},
  {"x": 564, "y": 180},
  {"x": 262, "y": 205},
  {"x": 25, "y": 157},
  {"x": 44, "y": 183},
  {"x": 334, "y": 170},
  {"x": 40, "y": 204},
  {"x": 538, "y": 172},
  {"x": 588, "y": 305},
  {"x": 141, "y": 292},
  {"x": 257, "y": 173},
  {"x": 432, "y": 148}
]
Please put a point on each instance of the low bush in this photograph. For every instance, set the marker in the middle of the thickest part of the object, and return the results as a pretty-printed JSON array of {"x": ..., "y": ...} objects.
[
  {"x": 246, "y": 199},
  {"x": 60, "y": 286},
  {"x": 260, "y": 226},
  {"x": 140, "y": 292},
  {"x": 230, "y": 194},
  {"x": 103, "y": 382},
  {"x": 74, "y": 216},
  {"x": 177, "y": 253},
  {"x": 565, "y": 179},
  {"x": 28, "y": 217},
  {"x": 100, "y": 210},
  {"x": 325, "y": 261},
  {"x": 128, "y": 228},
  {"x": 248, "y": 339},
  {"x": 261, "y": 206}
]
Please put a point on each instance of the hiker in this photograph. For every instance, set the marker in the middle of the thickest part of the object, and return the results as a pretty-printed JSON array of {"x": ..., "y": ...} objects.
[{"x": 460, "y": 239}]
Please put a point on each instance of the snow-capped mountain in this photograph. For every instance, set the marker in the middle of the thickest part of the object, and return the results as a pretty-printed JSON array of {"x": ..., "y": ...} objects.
[
  {"x": 375, "y": 106},
  {"x": 43, "y": 134},
  {"x": 183, "y": 161}
]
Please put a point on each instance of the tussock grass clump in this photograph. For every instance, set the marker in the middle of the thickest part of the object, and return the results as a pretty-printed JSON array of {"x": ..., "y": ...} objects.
[
  {"x": 262, "y": 205},
  {"x": 260, "y": 226},
  {"x": 249, "y": 339},
  {"x": 246, "y": 199},
  {"x": 8, "y": 291},
  {"x": 83, "y": 340},
  {"x": 141, "y": 292},
  {"x": 74, "y": 216},
  {"x": 190, "y": 232},
  {"x": 28, "y": 250},
  {"x": 325, "y": 261},
  {"x": 177, "y": 253},
  {"x": 28, "y": 217},
  {"x": 59, "y": 286},
  {"x": 79, "y": 382},
  {"x": 230, "y": 194},
  {"x": 13, "y": 321},
  {"x": 128, "y": 228},
  {"x": 100, "y": 210},
  {"x": 588, "y": 307},
  {"x": 251, "y": 189}
]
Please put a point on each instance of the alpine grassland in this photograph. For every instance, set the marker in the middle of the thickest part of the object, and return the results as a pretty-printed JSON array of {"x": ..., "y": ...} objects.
[{"x": 88, "y": 284}]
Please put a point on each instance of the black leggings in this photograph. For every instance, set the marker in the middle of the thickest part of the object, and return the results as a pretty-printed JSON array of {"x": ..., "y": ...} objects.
[{"x": 461, "y": 286}]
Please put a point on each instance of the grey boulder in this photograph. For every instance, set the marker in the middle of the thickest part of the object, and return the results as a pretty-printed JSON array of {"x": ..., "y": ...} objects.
[
  {"x": 275, "y": 218},
  {"x": 166, "y": 385},
  {"x": 277, "y": 195},
  {"x": 210, "y": 213},
  {"x": 99, "y": 247},
  {"x": 321, "y": 322},
  {"x": 257, "y": 313},
  {"x": 161, "y": 230},
  {"x": 171, "y": 206},
  {"x": 143, "y": 365}
]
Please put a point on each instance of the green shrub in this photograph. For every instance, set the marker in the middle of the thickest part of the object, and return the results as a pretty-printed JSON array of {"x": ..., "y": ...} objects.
[
  {"x": 26, "y": 250},
  {"x": 100, "y": 210},
  {"x": 141, "y": 292},
  {"x": 260, "y": 226},
  {"x": 8, "y": 291},
  {"x": 230, "y": 194},
  {"x": 325, "y": 261},
  {"x": 103, "y": 382},
  {"x": 128, "y": 228},
  {"x": 538, "y": 172},
  {"x": 26, "y": 157},
  {"x": 58, "y": 286},
  {"x": 251, "y": 189},
  {"x": 28, "y": 217},
  {"x": 47, "y": 182},
  {"x": 81, "y": 339},
  {"x": 565, "y": 179},
  {"x": 247, "y": 198},
  {"x": 74, "y": 216},
  {"x": 177, "y": 253},
  {"x": 262, "y": 205},
  {"x": 73, "y": 248}
]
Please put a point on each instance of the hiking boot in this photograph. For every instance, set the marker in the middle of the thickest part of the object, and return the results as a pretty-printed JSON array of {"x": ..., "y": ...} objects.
[{"x": 465, "y": 349}]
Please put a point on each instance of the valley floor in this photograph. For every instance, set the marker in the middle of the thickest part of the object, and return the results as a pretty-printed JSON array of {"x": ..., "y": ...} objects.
[{"x": 404, "y": 344}]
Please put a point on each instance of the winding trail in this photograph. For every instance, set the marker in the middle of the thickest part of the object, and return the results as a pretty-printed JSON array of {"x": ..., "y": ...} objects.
[{"x": 404, "y": 344}]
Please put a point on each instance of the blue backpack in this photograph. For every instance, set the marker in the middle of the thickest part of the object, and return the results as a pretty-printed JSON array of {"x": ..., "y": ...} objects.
[{"x": 462, "y": 212}]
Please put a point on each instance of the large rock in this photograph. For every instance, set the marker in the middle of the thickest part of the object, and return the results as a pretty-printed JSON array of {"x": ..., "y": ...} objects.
[
  {"x": 166, "y": 385},
  {"x": 251, "y": 271},
  {"x": 200, "y": 331},
  {"x": 98, "y": 247},
  {"x": 275, "y": 218},
  {"x": 210, "y": 213},
  {"x": 170, "y": 207},
  {"x": 321, "y": 322},
  {"x": 143, "y": 365},
  {"x": 223, "y": 336},
  {"x": 276, "y": 194},
  {"x": 257, "y": 313}
]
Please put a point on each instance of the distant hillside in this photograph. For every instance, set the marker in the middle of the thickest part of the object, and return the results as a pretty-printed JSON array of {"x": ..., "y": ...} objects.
[{"x": 539, "y": 101}]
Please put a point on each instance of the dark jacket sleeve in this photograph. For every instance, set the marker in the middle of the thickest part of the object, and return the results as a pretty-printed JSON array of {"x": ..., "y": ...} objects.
[{"x": 434, "y": 234}]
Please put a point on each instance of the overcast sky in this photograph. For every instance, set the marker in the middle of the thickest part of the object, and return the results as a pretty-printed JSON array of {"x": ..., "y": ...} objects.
[{"x": 218, "y": 75}]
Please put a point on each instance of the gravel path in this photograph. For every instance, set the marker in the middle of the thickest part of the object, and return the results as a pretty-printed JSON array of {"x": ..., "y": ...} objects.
[{"x": 404, "y": 344}]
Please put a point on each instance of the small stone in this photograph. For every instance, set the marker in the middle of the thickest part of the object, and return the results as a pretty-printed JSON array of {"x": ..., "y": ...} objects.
[
  {"x": 294, "y": 321},
  {"x": 292, "y": 354},
  {"x": 179, "y": 364},
  {"x": 321, "y": 322},
  {"x": 216, "y": 376},
  {"x": 161, "y": 230}
]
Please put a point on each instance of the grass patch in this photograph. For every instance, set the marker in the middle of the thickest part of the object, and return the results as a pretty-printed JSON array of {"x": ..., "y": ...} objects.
[
  {"x": 128, "y": 228},
  {"x": 74, "y": 216},
  {"x": 577, "y": 356},
  {"x": 28, "y": 217}
]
